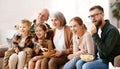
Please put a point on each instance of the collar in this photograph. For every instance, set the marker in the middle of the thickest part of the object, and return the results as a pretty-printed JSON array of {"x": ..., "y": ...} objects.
[{"x": 106, "y": 24}]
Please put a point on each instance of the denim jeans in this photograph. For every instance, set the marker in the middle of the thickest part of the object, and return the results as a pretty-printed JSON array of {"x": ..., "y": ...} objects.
[
  {"x": 79, "y": 64},
  {"x": 72, "y": 63},
  {"x": 96, "y": 64}
]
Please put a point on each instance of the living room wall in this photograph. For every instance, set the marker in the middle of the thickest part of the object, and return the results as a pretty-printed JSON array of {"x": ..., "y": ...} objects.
[{"x": 12, "y": 11}]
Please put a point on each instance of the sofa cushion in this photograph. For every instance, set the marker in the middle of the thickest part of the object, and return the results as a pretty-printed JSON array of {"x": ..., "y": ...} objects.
[
  {"x": 1, "y": 63},
  {"x": 2, "y": 51}
]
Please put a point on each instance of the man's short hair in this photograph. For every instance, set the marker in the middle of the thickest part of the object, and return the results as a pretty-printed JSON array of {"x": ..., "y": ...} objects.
[{"x": 97, "y": 7}]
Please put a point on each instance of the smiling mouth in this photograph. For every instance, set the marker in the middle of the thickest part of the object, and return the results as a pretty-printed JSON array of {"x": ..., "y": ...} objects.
[
  {"x": 74, "y": 32},
  {"x": 54, "y": 24}
]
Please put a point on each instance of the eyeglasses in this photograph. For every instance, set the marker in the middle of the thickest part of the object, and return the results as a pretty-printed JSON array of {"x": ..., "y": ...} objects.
[{"x": 94, "y": 15}]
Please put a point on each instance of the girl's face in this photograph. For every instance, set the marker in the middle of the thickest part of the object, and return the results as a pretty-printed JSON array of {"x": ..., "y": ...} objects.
[
  {"x": 56, "y": 23},
  {"x": 40, "y": 33},
  {"x": 24, "y": 28},
  {"x": 75, "y": 27}
]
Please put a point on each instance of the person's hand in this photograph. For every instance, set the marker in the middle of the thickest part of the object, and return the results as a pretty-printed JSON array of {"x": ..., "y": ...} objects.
[
  {"x": 57, "y": 53},
  {"x": 36, "y": 51},
  {"x": 80, "y": 53},
  {"x": 44, "y": 49},
  {"x": 17, "y": 50},
  {"x": 37, "y": 58},
  {"x": 70, "y": 56},
  {"x": 93, "y": 29}
]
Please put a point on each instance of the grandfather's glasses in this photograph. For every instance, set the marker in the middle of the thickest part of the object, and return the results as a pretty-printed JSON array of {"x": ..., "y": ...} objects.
[{"x": 94, "y": 15}]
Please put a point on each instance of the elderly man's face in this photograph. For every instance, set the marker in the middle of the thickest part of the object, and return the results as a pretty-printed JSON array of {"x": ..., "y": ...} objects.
[{"x": 43, "y": 16}]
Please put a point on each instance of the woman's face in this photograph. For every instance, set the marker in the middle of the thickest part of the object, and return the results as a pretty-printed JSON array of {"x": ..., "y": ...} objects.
[
  {"x": 75, "y": 27},
  {"x": 56, "y": 23},
  {"x": 40, "y": 33},
  {"x": 24, "y": 28}
]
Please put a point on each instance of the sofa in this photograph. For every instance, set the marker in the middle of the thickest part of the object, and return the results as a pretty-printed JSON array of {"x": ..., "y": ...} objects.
[{"x": 2, "y": 51}]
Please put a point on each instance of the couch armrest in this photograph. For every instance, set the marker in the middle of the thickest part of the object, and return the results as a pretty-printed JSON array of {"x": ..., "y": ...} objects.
[{"x": 2, "y": 51}]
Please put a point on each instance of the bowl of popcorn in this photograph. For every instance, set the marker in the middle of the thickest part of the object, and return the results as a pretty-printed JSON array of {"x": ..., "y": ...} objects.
[
  {"x": 48, "y": 53},
  {"x": 87, "y": 57}
]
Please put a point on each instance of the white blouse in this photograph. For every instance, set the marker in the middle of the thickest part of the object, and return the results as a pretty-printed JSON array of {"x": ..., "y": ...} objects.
[
  {"x": 22, "y": 42},
  {"x": 58, "y": 39}
]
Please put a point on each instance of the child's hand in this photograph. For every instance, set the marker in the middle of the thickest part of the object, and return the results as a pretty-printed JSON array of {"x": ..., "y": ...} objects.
[
  {"x": 36, "y": 51},
  {"x": 44, "y": 49},
  {"x": 37, "y": 58},
  {"x": 17, "y": 50}
]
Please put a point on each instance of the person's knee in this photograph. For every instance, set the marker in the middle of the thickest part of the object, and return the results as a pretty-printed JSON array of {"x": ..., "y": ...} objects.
[
  {"x": 69, "y": 65},
  {"x": 28, "y": 50},
  {"x": 45, "y": 61},
  {"x": 79, "y": 64},
  {"x": 52, "y": 61},
  {"x": 21, "y": 54},
  {"x": 38, "y": 62},
  {"x": 13, "y": 58},
  {"x": 117, "y": 61},
  {"x": 86, "y": 66},
  {"x": 30, "y": 62},
  {"x": 66, "y": 66}
]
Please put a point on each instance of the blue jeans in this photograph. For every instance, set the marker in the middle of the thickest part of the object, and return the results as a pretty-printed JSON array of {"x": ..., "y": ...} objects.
[
  {"x": 79, "y": 64},
  {"x": 72, "y": 63},
  {"x": 96, "y": 64}
]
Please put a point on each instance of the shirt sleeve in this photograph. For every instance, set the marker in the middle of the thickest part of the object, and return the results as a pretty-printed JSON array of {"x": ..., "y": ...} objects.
[
  {"x": 90, "y": 44},
  {"x": 75, "y": 47}
]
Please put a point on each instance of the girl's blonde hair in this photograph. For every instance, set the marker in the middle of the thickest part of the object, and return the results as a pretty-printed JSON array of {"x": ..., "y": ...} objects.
[{"x": 27, "y": 22}]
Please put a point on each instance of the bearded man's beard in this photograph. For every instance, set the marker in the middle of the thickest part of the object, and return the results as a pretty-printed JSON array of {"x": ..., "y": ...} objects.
[{"x": 99, "y": 23}]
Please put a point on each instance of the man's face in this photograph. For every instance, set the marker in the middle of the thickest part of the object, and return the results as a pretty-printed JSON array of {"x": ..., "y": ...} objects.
[
  {"x": 43, "y": 16},
  {"x": 96, "y": 17}
]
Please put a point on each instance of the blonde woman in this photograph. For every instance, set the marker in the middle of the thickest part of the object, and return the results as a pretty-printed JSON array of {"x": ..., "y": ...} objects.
[{"x": 82, "y": 43}]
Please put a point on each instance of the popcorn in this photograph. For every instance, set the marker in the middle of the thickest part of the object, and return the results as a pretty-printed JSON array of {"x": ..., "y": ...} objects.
[{"x": 87, "y": 57}]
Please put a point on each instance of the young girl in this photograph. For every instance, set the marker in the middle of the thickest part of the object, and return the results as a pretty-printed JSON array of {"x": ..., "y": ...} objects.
[
  {"x": 41, "y": 44},
  {"x": 18, "y": 56},
  {"x": 82, "y": 43}
]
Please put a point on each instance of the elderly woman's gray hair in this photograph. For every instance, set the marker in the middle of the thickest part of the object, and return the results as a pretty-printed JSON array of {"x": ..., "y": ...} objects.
[{"x": 58, "y": 15}]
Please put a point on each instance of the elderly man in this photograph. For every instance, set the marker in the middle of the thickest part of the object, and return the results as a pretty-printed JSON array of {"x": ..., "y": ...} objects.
[{"x": 43, "y": 17}]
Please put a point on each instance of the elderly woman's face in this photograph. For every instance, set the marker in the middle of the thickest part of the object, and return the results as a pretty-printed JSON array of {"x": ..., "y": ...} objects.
[{"x": 56, "y": 23}]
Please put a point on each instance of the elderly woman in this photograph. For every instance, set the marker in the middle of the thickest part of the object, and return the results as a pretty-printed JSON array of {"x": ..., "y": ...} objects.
[{"x": 62, "y": 37}]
